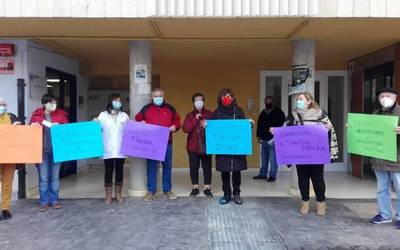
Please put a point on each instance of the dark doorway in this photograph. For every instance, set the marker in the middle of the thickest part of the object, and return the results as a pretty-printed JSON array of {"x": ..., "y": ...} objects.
[
  {"x": 63, "y": 86},
  {"x": 375, "y": 78}
]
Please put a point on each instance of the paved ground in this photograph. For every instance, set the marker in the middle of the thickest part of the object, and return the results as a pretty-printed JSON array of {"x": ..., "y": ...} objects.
[{"x": 260, "y": 223}]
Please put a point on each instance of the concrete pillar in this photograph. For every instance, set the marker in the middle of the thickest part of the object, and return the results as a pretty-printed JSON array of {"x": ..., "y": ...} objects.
[
  {"x": 303, "y": 53},
  {"x": 139, "y": 94}
]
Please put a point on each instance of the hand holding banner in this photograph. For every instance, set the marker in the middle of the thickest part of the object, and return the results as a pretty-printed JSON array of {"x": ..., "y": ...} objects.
[
  {"x": 76, "y": 141},
  {"x": 145, "y": 141},
  {"x": 20, "y": 144},
  {"x": 302, "y": 145},
  {"x": 372, "y": 135},
  {"x": 229, "y": 137}
]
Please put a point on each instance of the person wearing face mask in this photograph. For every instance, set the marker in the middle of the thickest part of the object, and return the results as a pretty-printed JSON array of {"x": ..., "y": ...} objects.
[
  {"x": 160, "y": 113},
  {"x": 112, "y": 122},
  {"x": 6, "y": 170},
  {"x": 194, "y": 126},
  {"x": 269, "y": 118},
  {"x": 308, "y": 112},
  {"x": 387, "y": 172},
  {"x": 229, "y": 165},
  {"x": 46, "y": 116}
]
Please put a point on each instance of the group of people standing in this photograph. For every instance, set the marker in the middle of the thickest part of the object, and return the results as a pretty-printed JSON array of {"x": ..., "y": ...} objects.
[{"x": 159, "y": 112}]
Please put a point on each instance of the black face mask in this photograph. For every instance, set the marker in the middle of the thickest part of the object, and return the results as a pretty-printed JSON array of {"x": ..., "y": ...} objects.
[{"x": 269, "y": 105}]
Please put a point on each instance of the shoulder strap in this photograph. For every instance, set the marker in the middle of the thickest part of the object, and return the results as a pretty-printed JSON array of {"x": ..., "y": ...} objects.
[{"x": 300, "y": 118}]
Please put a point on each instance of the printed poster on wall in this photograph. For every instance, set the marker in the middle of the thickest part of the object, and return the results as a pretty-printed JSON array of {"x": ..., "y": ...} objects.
[
  {"x": 141, "y": 74},
  {"x": 7, "y": 65}
]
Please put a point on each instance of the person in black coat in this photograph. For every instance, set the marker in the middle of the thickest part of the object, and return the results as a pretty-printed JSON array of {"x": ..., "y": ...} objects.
[
  {"x": 270, "y": 117},
  {"x": 227, "y": 164}
]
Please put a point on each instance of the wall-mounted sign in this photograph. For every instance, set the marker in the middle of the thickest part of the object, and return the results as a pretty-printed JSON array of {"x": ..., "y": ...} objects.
[
  {"x": 141, "y": 74},
  {"x": 7, "y": 49},
  {"x": 7, "y": 65},
  {"x": 300, "y": 73}
]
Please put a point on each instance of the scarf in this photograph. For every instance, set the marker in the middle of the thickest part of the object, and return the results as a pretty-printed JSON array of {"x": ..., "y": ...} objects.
[{"x": 5, "y": 119}]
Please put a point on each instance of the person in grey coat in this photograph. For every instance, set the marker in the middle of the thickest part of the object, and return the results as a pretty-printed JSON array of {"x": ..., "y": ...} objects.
[{"x": 387, "y": 172}]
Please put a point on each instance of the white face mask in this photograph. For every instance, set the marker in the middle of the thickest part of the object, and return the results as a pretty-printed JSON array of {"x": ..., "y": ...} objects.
[
  {"x": 199, "y": 104},
  {"x": 51, "y": 107},
  {"x": 386, "y": 102}
]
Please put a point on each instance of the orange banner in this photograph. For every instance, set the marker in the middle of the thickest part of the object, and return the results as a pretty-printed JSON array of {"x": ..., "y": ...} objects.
[{"x": 20, "y": 144}]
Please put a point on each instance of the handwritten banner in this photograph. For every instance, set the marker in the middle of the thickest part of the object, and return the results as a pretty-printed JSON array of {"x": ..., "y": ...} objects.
[
  {"x": 76, "y": 141},
  {"x": 372, "y": 135},
  {"x": 302, "y": 145},
  {"x": 20, "y": 144},
  {"x": 145, "y": 141},
  {"x": 229, "y": 137}
]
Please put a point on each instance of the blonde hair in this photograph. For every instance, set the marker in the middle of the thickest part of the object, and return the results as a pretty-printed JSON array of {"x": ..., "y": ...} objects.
[{"x": 310, "y": 98}]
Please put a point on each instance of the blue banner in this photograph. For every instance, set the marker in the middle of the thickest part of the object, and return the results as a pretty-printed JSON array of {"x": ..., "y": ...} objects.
[
  {"x": 76, "y": 141},
  {"x": 229, "y": 137}
]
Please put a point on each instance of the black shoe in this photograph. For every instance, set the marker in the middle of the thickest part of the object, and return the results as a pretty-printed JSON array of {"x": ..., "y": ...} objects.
[
  {"x": 1, "y": 218},
  {"x": 237, "y": 199},
  {"x": 195, "y": 192},
  {"x": 259, "y": 177},
  {"x": 207, "y": 193},
  {"x": 271, "y": 179},
  {"x": 6, "y": 215}
]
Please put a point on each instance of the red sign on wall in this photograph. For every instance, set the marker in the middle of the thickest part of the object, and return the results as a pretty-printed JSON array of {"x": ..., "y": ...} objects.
[{"x": 7, "y": 49}]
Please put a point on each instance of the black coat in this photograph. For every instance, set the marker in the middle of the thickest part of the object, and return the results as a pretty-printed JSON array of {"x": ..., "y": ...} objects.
[
  {"x": 266, "y": 120},
  {"x": 229, "y": 163}
]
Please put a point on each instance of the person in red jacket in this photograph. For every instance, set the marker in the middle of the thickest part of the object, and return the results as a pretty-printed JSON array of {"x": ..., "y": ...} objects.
[
  {"x": 158, "y": 112},
  {"x": 48, "y": 171},
  {"x": 194, "y": 126}
]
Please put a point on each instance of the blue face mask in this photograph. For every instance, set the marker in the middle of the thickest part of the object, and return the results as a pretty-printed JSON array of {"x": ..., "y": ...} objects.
[
  {"x": 3, "y": 109},
  {"x": 116, "y": 105},
  {"x": 158, "y": 100},
  {"x": 300, "y": 104}
]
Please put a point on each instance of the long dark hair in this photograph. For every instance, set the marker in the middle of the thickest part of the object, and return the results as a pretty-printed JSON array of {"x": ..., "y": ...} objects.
[
  {"x": 111, "y": 98},
  {"x": 223, "y": 93}
]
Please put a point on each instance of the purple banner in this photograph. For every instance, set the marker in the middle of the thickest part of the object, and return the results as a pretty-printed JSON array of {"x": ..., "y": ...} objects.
[
  {"x": 302, "y": 145},
  {"x": 145, "y": 141}
]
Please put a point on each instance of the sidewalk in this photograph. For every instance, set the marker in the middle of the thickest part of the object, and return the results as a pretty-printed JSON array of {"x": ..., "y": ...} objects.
[{"x": 196, "y": 223}]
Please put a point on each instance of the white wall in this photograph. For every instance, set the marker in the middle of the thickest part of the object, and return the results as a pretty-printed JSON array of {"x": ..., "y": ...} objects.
[
  {"x": 38, "y": 59},
  {"x": 8, "y": 86}
]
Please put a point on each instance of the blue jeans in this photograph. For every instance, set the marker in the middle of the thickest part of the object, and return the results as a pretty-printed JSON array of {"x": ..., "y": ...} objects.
[
  {"x": 384, "y": 180},
  {"x": 49, "y": 183},
  {"x": 268, "y": 157},
  {"x": 166, "y": 173}
]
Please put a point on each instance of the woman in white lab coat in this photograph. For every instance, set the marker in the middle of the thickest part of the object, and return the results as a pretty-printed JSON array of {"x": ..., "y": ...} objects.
[{"x": 112, "y": 122}]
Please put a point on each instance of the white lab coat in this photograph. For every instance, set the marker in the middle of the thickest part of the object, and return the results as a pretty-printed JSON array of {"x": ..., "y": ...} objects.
[{"x": 112, "y": 133}]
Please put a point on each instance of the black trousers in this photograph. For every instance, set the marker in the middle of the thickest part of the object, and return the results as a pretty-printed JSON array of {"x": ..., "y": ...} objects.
[
  {"x": 316, "y": 174},
  {"x": 206, "y": 164},
  {"x": 110, "y": 165},
  {"x": 226, "y": 183}
]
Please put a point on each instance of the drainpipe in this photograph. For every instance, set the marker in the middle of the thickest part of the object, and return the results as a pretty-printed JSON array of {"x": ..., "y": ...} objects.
[{"x": 21, "y": 117}]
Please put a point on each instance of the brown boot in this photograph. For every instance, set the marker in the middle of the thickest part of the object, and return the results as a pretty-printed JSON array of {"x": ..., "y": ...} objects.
[
  {"x": 118, "y": 193},
  {"x": 305, "y": 207},
  {"x": 108, "y": 199},
  {"x": 321, "y": 208}
]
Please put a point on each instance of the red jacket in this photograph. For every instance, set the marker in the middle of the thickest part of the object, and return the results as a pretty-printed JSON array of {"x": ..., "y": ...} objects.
[
  {"x": 164, "y": 115},
  {"x": 59, "y": 116},
  {"x": 196, "y": 134}
]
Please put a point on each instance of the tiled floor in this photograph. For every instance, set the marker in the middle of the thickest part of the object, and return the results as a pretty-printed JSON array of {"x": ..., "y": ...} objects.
[
  {"x": 89, "y": 184},
  {"x": 261, "y": 223}
]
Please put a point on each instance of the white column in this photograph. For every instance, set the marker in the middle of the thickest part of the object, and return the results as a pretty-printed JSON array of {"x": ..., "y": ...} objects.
[
  {"x": 303, "y": 54},
  {"x": 139, "y": 56}
]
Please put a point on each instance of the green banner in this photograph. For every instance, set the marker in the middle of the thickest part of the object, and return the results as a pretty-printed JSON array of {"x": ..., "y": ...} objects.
[{"x": 372, "y": 135}]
